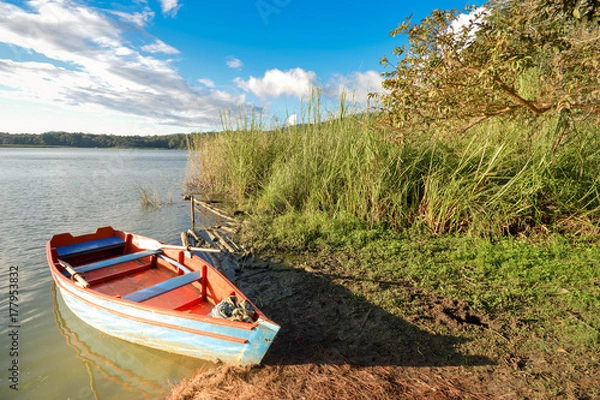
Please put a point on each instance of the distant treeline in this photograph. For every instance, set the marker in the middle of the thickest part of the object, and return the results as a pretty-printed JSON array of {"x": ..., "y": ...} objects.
[{"x": 78, "y": 139}]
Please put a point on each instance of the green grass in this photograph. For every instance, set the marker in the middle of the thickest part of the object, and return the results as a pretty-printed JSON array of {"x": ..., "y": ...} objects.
[
  {"x": 494, "y": 276},
  {"x": 541, "y": 293},
  {"x": 150, "y": 198},
  {"x": 500, "y": 178}
]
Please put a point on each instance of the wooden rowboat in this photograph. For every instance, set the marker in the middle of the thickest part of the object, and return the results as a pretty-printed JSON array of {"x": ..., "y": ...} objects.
[{"x": 160, "y": 296}]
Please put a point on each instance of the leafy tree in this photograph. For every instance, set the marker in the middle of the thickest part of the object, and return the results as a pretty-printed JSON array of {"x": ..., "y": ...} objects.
[
  {"x": 79, "y": 139},
  {"x": 522, "y": 58}
]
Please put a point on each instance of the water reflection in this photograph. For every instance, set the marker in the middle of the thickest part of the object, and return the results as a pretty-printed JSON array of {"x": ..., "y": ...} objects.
[{"x": 115, "y": 368}]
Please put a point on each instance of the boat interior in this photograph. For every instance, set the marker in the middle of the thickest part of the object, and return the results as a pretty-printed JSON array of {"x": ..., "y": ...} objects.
[{"x": 112, "y": 264}]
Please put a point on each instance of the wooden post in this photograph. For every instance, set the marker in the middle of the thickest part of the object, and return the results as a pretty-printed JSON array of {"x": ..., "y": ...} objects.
[
  {"x": 214, "y": 210},
  {"x": 222, "y": 241},
  {"x": 214, "y": 239},
  {"x": 193, "y": 212},
  {"x": 184, "y": 239},
  {"x": 192, "y": 232}
]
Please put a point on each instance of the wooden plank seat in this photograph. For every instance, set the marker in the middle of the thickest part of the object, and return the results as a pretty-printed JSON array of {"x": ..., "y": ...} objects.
[
  {"x": 163, "y": 287},
  {"x": 92, "y": 246},
  {"x": 115, "y": 260},
  {"x": 128, "y": 268}
]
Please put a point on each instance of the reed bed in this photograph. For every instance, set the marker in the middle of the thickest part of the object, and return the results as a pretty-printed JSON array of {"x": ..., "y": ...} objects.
[{"x": 499, "y": 178}]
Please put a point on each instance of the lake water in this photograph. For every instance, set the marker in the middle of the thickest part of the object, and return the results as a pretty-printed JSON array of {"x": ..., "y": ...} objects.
[{"x": 49, "y": 191}]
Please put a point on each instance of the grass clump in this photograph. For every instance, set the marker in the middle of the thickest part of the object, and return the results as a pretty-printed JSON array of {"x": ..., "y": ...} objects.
[{"x": 150, "y": 198}]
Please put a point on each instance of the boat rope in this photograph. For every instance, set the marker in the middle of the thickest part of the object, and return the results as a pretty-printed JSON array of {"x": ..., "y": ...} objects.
[{"x": 232, "y": 310}]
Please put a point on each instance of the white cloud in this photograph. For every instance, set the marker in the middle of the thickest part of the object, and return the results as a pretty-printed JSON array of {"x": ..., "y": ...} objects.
[
  {"x": 139, "y": 19},
  {"x": 170, "y": 7},
  {"x": 160, "y": 47},
  {"x": 275, "y": 83},
  {"x": 227, "y": 97},
  {"x": 207, "y": 82},
  {"x": 292, "y": 120},
  {"x": 84, "y": 62},
  {"x": 356, "y": 86},
  {"x": 234, "y": 63},
  {"x": 465, "y": 26}
]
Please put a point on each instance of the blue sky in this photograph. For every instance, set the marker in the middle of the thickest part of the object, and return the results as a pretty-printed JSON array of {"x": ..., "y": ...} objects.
[{"x": 145, "y": 67}]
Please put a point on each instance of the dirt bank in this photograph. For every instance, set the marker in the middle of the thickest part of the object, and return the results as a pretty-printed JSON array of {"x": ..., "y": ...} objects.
[{"x": 335, "y": 344}]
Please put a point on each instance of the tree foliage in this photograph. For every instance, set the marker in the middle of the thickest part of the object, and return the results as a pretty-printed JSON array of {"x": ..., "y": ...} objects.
[
  {"x": 77, "y": 139},
  {"x": 522, "y": 58}
]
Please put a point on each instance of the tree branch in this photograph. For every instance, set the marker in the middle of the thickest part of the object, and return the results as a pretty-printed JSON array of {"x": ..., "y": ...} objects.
[
  {"x": 487, "y": 116},
  {"x": 515, "y": 96},
  {"x": 593, "y": 108},
  {"x": 510, "y": 91}
]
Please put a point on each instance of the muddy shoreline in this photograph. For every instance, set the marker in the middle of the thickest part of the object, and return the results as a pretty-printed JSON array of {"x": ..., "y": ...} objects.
[{"x": 335, "y": 344}]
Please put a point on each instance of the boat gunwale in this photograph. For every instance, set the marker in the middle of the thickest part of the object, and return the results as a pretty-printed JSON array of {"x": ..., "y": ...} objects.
[{"x": 66, "y": 282}]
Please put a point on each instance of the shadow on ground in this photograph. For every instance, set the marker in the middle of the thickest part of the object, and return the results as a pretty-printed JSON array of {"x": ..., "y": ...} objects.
[{"x": 322, "y": 322}]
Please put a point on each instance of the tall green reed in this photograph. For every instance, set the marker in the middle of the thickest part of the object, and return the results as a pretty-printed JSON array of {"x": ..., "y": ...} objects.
[{"x": 502, "y": 177}]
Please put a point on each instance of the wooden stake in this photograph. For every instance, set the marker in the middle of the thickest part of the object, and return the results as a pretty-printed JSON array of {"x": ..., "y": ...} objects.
[
  {"x": 193, "y": 212},
  {"x": 213, "y": 210},
  {"x": 193, "y": 233},
  {"x": 224, "y": 242},
  {"x": 184, "y": 239}
]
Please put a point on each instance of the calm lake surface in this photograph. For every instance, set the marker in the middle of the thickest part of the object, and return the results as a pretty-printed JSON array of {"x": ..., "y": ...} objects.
[{"x": 49, "y": 191}]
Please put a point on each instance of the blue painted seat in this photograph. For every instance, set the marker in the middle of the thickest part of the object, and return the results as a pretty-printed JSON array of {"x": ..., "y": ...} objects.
[
  {"x": 115, "y": 260},
  {"x": 79, "y": 249},
  {"x": 163, "y": 287}
]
